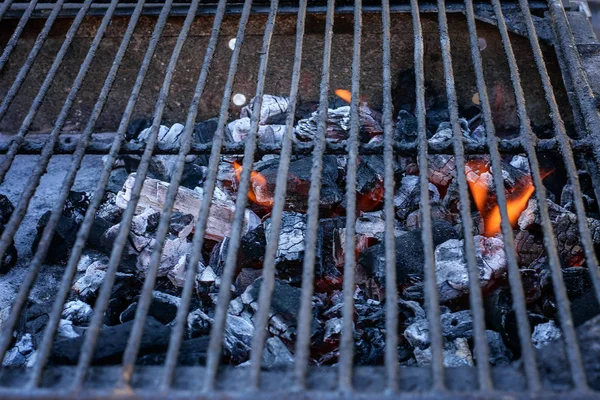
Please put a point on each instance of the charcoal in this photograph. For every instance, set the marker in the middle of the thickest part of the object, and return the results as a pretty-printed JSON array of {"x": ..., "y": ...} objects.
[
  {"x": 338, "y": 125},
  {"x": 10, "y": 256},
  {"x": 435, "y": 116},
  {"x": 273, "y": 110},
  {"x": 584, "y": 307},
  {"x": 116, "y": 180},
  {"x": 204, "y": 131},
  {"x": 6, "y": 209},
  {"x": 163, "y": 308},
  {"x": 237, "y": 338},
  {"x": 498, "y": 352},
  {"x": 298, "y": 184},
  {"x": 565, "y": 227},
  {"x": 245, "y": 278},
  {"x": 181, "y": 225},
  {"x": 88, "y": 285},
  {"x": 409, "y": 254},
  {"x": 198, "y": 324},
  {"x": 78, "y": 312},
  {"x": 406, "y": 127},
  {"x": 444, "y": 134},
  {"x": 451, "y": 270},
  {"x": 456, "y": 353},
  {"x": 454, "y": 325},
  {"x": 276, "y": 354},
  {"x": 112, "y": 342},
  {"x": 369, "y": 346},
  {"x": 177, "y": 275},
  {"x": 173, "y": 249},
  {"x": 145, "y": 222},
  {"x": 33, "y": 319},
  {"x": 136, "y": 127},
  {"x": 194, "y": 174},
  {"x": 333, "y": 329},
  {"x": 544, "y": 334},
  {"x": 369, "y": 182},
  {"x": 192, "y": 352},
  {"x": 531, "y": 285},
  {"x": 520, "y": 162},
  {"x": 20, "y": 354},
  {"x": 66, "y": 230},
  {"x": 441, "y": 169},
  {"x": 252, "y": 248},
  {"x": 66, "y": 330},
  {"x": 530, "y": 246},
  {"x": 266, "y": 134},
  {"x": 408, "y": 196},
  {"x": 171, "y": 138},
  {"x": 218, "y": 256},
  {"x": 330, "y": 256},
  {"x": 577, "y": 280},
  {"x": 371, "y": 225},
  {"x": 285, "y": 298},
  {"x": 145, "y": 134},
  {"x": 290, "y": 249},
  {"x": 438, "y": 212}
]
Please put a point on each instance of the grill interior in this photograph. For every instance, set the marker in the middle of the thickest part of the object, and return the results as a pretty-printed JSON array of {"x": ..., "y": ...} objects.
[{"x": 74, "y": 76}]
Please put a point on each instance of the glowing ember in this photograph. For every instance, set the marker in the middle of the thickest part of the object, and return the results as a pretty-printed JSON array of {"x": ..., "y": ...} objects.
[
  {"x": 515, "y": 203},
  {"x": 344, "y": 94},
  {"x": 258, "y": 192}
]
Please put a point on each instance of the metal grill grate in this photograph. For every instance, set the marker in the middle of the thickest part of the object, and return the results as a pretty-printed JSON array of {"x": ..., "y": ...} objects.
[{"x": 305, "y": 381}]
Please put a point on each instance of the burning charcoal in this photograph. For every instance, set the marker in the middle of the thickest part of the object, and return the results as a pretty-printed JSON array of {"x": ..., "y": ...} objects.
[
  {"x": 369, "y": 182},
  {"x": 330, "y": 256},
  {"x": 192, "y": 352},
  {"x": 371, "y": 225},
  {"x": 530, "y": 246},
  {"x": 66, "y": 331},
  {"x": 163, "y": 308},
  {"x": 408, "y": 197},
  {"x": 544, "y": 334},
  {"x": 173, "y": 249},
  {"x": 290, "y": 249},
  {"x": 188, "y": 202},
  {"x": 406, "y": 127},
  {"x": 78, "y": 312},
  {"x": 520, "y": 162},
  {"x": 456, "y": 354},
  {"x": 565, "y": 227},
  {"x": 276, "y": 355},
  {"x": 338, "y": 125},
  {"x": 273, "y": 110},
  {"x": 454, "y": 325},
  {"x": 438, "y": 213},
  {"x": 267, "y": 134},
  {"x": 451, "y": 269},
  {"x": 498, "y": 352},
  {"x": 19, "y": 355},
  {"x": 441, "y": 169},
  {"x": 409, "y": 254},
  {"x": 177, "y": 274},
  {"x": 252, "y": 248},
  {"x": 66, "y": 230},
  {"x": 112, "y": 342},
  {"x": 444, "y": 134}
]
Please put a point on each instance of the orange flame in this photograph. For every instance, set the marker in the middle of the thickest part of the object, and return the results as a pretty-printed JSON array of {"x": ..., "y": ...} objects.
[
  {"x": 514, "y": 206},
  {"x": 344, "y": 94},
  {"x": 258, "y": 183}
]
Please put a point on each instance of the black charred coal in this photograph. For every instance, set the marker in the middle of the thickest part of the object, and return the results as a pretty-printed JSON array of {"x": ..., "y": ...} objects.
[
  {"x": 584, "y": 307},
  {"x": 6, "y": 209},
  {"x": 117, "y": 178},
  {"x": 192, "y": 352},
  {"x": 125, "y": 291},
  {"x": 163, "y": 308},
  {"x": 406, "y": 127},
  {"x": 10, "y": 257},
  {"x": 112, "y": 342},
  {"x": 499, "y": 353},
  {"x": 66, "y": 230},
  {"x": 252, "y": 248},
  {"x": 181, "y": 224},
  {"x": 290, "y": 248},
  {"x": 136, "y": 126},
  {"x": 409, "y": 254},
  {"x": 285, "y": 299},
  {"x": 33, "y": 320},
  {"x": 245, "y": 278},
  {"x": 330, "y": 256}
]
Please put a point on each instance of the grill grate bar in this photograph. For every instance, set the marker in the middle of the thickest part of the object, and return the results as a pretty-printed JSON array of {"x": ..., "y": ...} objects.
[
  {"x": 308, "y": 266},
  {"x": 475, "y": 296},
  {"x": 33, "y": 181},
  {"x": 217, "y": 329},
  {"x": 14, "y": 39},
  {"x": 430, "y": 287},
  {"x": 91, "y": 337},
  {"x": 391, "y": 296},
  {"x": 565, "y": 149},
  {"x": 198, "y": 240},
  {"x": 69, "y": 179},
  {"x": 268, "y": 274},
  {"x": 39, "y": 98},
  {"x": 566, "y": 321},
  {"x": 516, "y": 285},
  {"x": 141, "y": 314},
  {"x": 5, "y": 7},
  {"x": 39, "y": 42},
  {"x": 346, "y": 348}
]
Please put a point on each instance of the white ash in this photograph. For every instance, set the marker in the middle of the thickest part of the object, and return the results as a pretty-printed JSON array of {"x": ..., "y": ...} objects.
[
  {"x": 441, "y": 169},
  {"x": 20, "y": 354},
  {"x": 407, "y": 198},
  {"x": 544, "y": 334},
  {"x": 456, "y": 353},
  {"x": 207, "y": 276},
  {"x": 445, "y": 135},
  {"x": 65, "y": 330},
  {"x": 177, "y": 274},
  {"x": 84, "y": 262},
  {"x": 173, "y": 249},
  {"x": 333, "y": 328},
  {"x": 139, "y": 223},
  {"x": 77, "y": 311},
  {"x": 171, "y": 138},
  {"x": 266, "y": 134},
  {"x": 89, "y": 284},
  {"x": 451, "y": 269},
  {"x": 145, "y": 134},
  {"x": 454, "y": 325},
  {"x": 338, "y": 124},
  {"x": 520, "y": 162},
  {"x": 291, "y": 236},
  {"x": 276, "y": 354},
  {"x": 372, "y": 225},
  {"x": 273, "y": 109}
]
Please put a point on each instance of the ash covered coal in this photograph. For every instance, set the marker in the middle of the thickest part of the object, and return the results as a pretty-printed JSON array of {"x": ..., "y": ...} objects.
[{"x": 371, "y": 283}]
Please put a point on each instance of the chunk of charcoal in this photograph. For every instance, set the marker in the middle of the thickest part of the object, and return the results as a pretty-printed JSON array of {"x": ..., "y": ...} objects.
[
  {"x": 78, "y": 312},
  {"x": 204, "y": 131},
  {"x": 498, "y": 352},
  {"x": 163, "y": 308},
  {"x": 438, "y": 213},
  {"x": 371, "y": 225},
  {"x": 172, "y": 137},
  {"x": 330, "y": 254},
  {"x": 441, "y": 169},
  {"x": 564, "y": 224},
  {"x": 173, "y": 249},
  {"x": 198, "y": 324},
  {"x": 456, "y": 353},
  {"x": 531, "y": 285},
  {"x": 66, "y": 230},
  {"x": 285, "y": 298},
  {"x": 276, "y": 354},
  {"x": 445, "y": 134},
  {"x": 144, "y": 135},
  {"x": 192, "y": 352},
  {"x": 10, "y": 256},
  {"x": 584, "y": 307},
  {"x": 66, "y": 330},
  {"x": 239, "y": 130},
  {"x": 409, "y": 254},
  {"x": 112, "y": 342},
  {"x": 117, "y": 178},
  {"x": 290, "y": 249},
  {"x": 6, "y": 209},
  {"x": 177, "y": 275},
  {"x": 245, "y": 278},
  {"x": 333, "y": 329},
  {"x": 181, "y": 225},
  {"x": 435, "y": 116},
  {"x": 273, "y": 110},
  {"x": 406, "y": 127},
  {"x": 451, "y": 269},
  {"x": 19, "y": 355},
  {"x": 338, "y": 125},
  {"x": 136, "y": 127},
  {"x": 530, "y": 246},
  {"x": 544, "y": 334},
  {"x": 194, "y": 174},
  {"x": 88, "y": 285},
  {"x": 369, "y": 175},
  {"x": 369, "y": 346},
  {"x": 454, "y": 325},
  {"x": 408, "y": 196},
  {"x": 33, "y": 320},
  {"x": 252, "y": 248}
]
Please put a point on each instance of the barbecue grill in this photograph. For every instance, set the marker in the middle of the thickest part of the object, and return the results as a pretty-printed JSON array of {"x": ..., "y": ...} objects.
[{"x": 185, "y": 62}]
